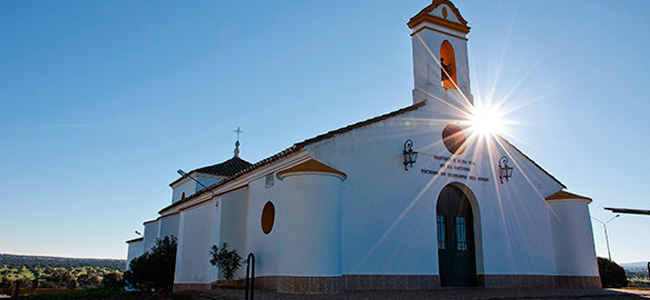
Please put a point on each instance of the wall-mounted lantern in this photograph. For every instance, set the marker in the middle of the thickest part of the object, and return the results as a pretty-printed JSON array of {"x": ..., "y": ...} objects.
[
  {"x": 410, "y": 156},
  {"x": 505, "y": 172}
]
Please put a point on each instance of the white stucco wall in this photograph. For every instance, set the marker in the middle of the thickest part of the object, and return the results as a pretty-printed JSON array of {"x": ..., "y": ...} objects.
[
  {"x": 186, "y": 185},
  {"x": 169, "y": 225},
  {"x": 382, "y": 219},
  {"x": 190, "y": 187},
  {"x": 573, "y": 237},
  {"x": 198, "y": 231},
  {"x": 234, "y": 207},
  {"x": 151, "y": 231},
  {"x": 388, "y": 214},
  {"x": 426, "y": 68},
  {"x": 264, "y": 246},
  {"x": 135, "y": 249}
]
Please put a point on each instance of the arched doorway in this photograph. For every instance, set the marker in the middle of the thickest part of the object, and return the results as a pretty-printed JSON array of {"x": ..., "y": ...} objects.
[{"x": 455, "y": 228}]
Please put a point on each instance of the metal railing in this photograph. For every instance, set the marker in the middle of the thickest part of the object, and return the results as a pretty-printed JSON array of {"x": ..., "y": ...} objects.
[{"x": 250, "y": 276}]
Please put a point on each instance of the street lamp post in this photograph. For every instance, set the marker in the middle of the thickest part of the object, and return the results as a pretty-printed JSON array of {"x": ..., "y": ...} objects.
[{"x": 609, "y": 254}]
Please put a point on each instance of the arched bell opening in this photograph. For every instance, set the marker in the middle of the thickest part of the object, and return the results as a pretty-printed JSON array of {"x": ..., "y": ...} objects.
[{"x": 448, "y": 66}]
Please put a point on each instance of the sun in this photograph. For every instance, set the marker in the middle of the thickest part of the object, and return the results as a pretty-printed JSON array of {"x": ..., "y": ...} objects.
[{"x": 486, "y": 120}]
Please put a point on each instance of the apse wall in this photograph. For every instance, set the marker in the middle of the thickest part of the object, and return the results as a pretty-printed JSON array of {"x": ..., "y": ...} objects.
[{"x": 573, "y": 237}]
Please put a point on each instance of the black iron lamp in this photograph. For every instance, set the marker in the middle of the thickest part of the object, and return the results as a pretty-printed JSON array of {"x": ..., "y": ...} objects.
[
  {"x": 410, "y": 156},
  {"x": 505, "y": 172}
]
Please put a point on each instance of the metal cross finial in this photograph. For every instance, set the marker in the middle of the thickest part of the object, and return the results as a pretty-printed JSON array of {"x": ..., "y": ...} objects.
[{"x": 238, "y": 131}]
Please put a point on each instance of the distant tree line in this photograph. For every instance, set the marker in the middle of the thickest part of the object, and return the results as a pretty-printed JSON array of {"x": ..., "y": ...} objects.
[
  {"x": 56, "y": 272},
  {"x": 16, "y": 261}
]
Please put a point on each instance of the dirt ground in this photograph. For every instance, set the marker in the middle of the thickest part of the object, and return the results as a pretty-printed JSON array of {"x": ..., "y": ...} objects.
[
  {"x": 471, "y": 294},
  {"x": 456, "y": 293}
]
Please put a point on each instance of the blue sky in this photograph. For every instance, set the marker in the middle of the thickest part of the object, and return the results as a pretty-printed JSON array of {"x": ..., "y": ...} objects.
[{"x": 102, "y": 101}]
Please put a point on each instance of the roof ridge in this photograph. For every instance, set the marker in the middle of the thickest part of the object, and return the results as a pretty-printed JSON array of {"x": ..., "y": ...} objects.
[
  {"x": 359, "y": 124},
  {"x": 297, "y": 147}
]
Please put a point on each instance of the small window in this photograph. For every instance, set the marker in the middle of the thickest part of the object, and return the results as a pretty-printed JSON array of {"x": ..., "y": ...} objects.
[
  {"x": 268, "y": 217},
  {"x": 183, "y": 196},
  {"x": 454, "y": 139},
  {"x": 441, "y": 232},
  {"x": 461, "y": 234},
  {"x": 269, "y": 181}
]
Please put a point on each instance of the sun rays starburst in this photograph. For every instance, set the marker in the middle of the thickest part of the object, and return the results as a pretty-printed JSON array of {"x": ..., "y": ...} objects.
[{"x": 487, "y": 120}]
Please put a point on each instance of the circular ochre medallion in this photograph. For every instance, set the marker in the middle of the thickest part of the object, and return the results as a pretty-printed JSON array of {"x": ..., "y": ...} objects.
[
  {"x": 454, "y": 139},
  {"x": 268, "y": 217}
]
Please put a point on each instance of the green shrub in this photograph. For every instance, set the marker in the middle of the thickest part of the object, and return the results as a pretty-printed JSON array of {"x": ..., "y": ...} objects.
[
  {"x": 86, "y": 281},
  {"x": 227, "y": 261},
  {"x": 112, "y": 280},
  {"x": 611, "y": 274},
  {"x": 61, "y": 279},
  {"x": 155, "y": 268}
]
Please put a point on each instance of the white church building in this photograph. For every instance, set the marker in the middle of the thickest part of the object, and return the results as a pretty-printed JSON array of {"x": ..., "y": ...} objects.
[{"x": 413, "y": 199}]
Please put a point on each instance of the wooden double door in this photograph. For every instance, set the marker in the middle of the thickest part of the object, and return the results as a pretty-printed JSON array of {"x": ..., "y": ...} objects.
[{"x": 455, "y": 228}]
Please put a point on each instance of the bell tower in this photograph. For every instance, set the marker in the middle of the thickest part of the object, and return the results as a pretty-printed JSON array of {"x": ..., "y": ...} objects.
[{"x": 440, "y": 63}]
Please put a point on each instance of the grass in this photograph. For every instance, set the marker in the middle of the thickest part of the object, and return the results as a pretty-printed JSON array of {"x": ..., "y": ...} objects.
[
  {"x": 58, "y": 294},
  {"x": 117, "y": 292}
]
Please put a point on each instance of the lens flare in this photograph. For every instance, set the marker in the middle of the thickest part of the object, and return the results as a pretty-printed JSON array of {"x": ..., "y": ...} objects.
[{"x": 487, "y": 120}]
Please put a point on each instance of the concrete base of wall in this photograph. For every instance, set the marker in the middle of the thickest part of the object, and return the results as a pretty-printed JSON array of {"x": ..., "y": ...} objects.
[
  {"x": 333, "y": 285},
  {"x": 191, "y": 286},
  {"x": 310, "y": 285},
  {"x": 512, "y": 281},
  {"x": 391, "y": 282},
  {"x": 578, "y": 282},
  {"x": 339, "y": 284}
]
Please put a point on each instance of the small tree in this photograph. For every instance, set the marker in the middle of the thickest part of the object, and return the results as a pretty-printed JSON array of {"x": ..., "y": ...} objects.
[
  {"x": 112, "y": 280},
  {"x": 611, "y": 274},
  {"x": 86, "y": 281},
  {"x": 226, "y": 260},
  {"x": 61, "y": 279},
  {"x": 155, "y": 268}
]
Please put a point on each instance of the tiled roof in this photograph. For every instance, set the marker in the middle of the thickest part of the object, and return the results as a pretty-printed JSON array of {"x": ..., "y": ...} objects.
[
  {"x": 297, "y": 147},
  {"x": 226, "y": 169}
]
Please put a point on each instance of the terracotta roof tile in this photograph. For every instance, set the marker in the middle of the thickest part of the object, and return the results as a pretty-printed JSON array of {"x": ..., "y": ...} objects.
[
  {"x": 561, "y": 195},
  {"x": 226, "y": 168}
]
